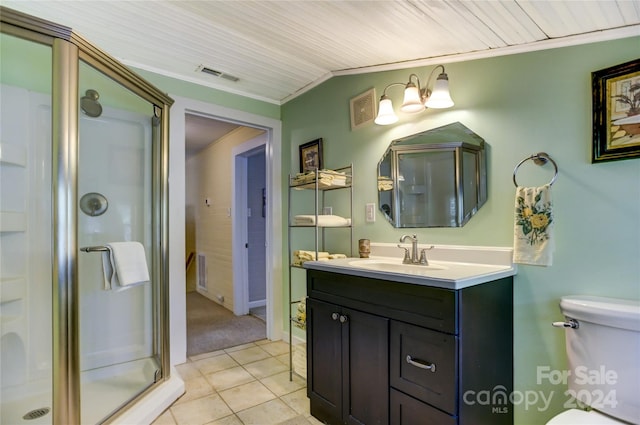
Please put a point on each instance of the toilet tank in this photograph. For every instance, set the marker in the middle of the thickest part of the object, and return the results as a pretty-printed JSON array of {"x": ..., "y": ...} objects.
[{"x": 604, "y": 354}]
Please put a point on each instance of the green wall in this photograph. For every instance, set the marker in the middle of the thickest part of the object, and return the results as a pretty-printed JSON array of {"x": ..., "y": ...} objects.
[{"x": 520, "y": 104}]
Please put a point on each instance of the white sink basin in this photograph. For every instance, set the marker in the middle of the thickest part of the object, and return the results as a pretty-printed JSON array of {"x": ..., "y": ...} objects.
[
  {"x": 450, "y": 267},
  {"x": 392, "y": 266}
]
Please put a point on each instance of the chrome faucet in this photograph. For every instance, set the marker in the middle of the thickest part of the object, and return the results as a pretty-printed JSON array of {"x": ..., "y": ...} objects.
[
  {"x": 414, "y": 249},
  {"x": 413, "y": 259}
]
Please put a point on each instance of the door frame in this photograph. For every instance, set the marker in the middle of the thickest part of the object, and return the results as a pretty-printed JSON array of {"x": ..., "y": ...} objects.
[
  {"x": 177, "y": 203},
  {"x": 239, "y": 227}
]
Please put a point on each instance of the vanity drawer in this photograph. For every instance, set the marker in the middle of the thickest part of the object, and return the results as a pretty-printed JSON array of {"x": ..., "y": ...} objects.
[
  {"x": 423, "y": 364},
  {"x": 407, "y": 410},
  {"x": 433, "y": 308}
]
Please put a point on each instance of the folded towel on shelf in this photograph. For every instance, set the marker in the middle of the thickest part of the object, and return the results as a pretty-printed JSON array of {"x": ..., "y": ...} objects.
[
  {"x": 301, "y": 256},
  {"x": 533, "y": 240},
  {"x": 326, "y": 178},
  {"x": 324, "y": 220},
  {"x": 311, "y": 255},
  {"x": 124, "y": 265}
]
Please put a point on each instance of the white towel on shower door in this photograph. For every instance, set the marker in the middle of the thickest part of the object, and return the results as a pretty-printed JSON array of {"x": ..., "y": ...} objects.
[{"x": 124, "y": 265}]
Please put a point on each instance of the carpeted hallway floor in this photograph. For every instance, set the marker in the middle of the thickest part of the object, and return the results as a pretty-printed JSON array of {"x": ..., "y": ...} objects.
[{"x": 211, "y": 327}]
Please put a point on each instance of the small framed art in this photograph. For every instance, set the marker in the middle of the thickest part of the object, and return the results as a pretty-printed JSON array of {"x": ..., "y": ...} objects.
[
  {"x": 311, "y": 156},
  {"x": 616, "y": 112}
]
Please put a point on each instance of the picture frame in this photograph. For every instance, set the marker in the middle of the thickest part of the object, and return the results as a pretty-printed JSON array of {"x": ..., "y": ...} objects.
[
  {"x": 362, "y": 109},
  {"x": 311, "y": 156},
  {"x": 616, "y": 112}
]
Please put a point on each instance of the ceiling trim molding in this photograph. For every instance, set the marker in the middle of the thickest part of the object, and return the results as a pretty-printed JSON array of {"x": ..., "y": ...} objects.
[
  {"x": 175, "y": 76},
  {"x": 592, "y": 37},
  {"x": 574, "y": 40},
  {"x": 329, "y": 75}
]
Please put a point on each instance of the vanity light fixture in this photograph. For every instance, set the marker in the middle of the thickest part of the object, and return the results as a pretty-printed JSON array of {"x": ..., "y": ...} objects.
[{"x": 416, "y": 97}]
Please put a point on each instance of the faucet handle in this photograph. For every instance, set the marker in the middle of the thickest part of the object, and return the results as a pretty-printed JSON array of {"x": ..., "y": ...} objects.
[
  {"x": 407, "y": 256},
  {"x": 423, "y": 256}
]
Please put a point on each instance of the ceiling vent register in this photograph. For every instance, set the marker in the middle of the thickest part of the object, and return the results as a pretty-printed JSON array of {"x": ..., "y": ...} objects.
[{"x": 219, "y": 74}]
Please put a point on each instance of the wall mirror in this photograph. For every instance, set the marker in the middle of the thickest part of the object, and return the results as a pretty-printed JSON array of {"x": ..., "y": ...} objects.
[{"x": 437, "y": 178}]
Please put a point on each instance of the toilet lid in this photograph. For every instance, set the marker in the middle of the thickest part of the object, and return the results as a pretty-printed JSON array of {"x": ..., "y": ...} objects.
[{"x": 582, "y": 417}]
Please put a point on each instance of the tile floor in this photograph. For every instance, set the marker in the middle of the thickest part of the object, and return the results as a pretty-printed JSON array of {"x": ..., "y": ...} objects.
[{"x": 247, "y": 384}]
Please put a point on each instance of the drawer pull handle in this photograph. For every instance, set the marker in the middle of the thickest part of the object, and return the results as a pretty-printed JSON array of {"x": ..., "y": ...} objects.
[
  {"x": 421, "y": 365},
  {"x": 334, "y": 316},
  {"x": 343, "y": 319}
]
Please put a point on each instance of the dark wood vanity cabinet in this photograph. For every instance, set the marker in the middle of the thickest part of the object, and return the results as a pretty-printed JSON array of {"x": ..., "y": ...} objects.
[
  {"x": 350, "y": 378},
  {"x": 385, "y": 352}
]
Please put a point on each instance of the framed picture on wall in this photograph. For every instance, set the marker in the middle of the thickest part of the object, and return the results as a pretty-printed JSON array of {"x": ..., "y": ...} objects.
[
  {"x": 311, "y": 156},
  {"x": 616, "y": 112}
]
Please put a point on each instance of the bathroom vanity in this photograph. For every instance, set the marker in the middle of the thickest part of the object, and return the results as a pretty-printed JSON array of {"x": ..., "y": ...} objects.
[{"x": 381, "y": 350}]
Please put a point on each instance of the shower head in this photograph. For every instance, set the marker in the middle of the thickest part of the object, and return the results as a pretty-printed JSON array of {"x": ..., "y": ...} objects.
[{"x": 90, "y": 105}]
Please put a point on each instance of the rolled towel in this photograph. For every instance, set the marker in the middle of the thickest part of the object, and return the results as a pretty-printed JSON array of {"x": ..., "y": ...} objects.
[
  {"x": 301, "y": 315},
  {"x": 533, "y": 240},
  {"x": 336, "y": 256}
]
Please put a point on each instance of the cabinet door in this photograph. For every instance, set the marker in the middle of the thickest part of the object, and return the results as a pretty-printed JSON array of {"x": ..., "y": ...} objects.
[
  {"x": 324, "y": 351},
  {"x": 365, "y": 368},
  {"x": 407, "y": 410}
]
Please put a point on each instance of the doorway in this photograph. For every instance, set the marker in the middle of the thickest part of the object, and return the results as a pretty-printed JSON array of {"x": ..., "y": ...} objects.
[
  {"x": 225, "y": 225},
  {"x": 274, "y": 225}
]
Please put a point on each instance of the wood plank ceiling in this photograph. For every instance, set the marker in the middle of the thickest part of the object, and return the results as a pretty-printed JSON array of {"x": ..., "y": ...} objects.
[{"x": 278, "y": 49}]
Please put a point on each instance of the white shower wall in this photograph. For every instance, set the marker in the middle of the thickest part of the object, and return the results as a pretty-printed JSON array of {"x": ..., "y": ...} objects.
[
  {"x": 115, "y": 327},
  {"x": 25, "y": 243}
]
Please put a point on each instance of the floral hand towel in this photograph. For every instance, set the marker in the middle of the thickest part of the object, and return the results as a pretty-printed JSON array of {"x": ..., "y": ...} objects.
[{"x": 533, "y": 241}]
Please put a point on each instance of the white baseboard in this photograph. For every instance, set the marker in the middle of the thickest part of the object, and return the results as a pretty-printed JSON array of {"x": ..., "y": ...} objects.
[{"x": 259, "y": 303}]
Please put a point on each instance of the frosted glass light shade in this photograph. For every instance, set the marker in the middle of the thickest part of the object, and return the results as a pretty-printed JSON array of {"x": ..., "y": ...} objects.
[
  {"x": 440, "y": 97},
  {"x": 412, "y": 102},
  {"x": 386, "y": 115}
]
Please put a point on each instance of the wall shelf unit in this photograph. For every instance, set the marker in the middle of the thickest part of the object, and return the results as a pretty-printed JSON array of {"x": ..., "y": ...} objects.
[{"x": 310, "y": 231}]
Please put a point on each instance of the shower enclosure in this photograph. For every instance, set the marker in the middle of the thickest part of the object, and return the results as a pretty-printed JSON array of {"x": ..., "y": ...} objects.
[{"x": 83, "y": 164}]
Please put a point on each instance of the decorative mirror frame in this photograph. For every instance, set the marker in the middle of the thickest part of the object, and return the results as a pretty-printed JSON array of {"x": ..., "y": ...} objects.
[{"x": 458, "y": 149}]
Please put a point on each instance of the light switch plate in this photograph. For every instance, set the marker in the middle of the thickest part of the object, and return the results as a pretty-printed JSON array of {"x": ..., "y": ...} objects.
[{"x": 370, "y": 213}]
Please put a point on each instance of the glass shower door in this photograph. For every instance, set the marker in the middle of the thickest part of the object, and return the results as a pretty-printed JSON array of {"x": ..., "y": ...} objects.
[
  {"x": 118, "y": 351},
  {"x": 25, "y": 232}
]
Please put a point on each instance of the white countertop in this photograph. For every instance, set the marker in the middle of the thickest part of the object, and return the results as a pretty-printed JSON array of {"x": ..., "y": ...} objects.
[{"x": 450, "y": 267}]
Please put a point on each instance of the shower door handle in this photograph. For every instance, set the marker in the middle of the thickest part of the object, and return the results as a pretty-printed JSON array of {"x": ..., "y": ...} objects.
[{"x": 95, "y": 249}]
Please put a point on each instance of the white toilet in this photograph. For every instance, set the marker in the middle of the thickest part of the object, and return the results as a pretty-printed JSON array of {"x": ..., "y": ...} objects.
[{"x": 603, "y": 349}]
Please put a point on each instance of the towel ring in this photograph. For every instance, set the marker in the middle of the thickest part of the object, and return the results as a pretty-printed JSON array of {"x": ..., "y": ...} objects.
[{"x": 540, "y": 158}]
